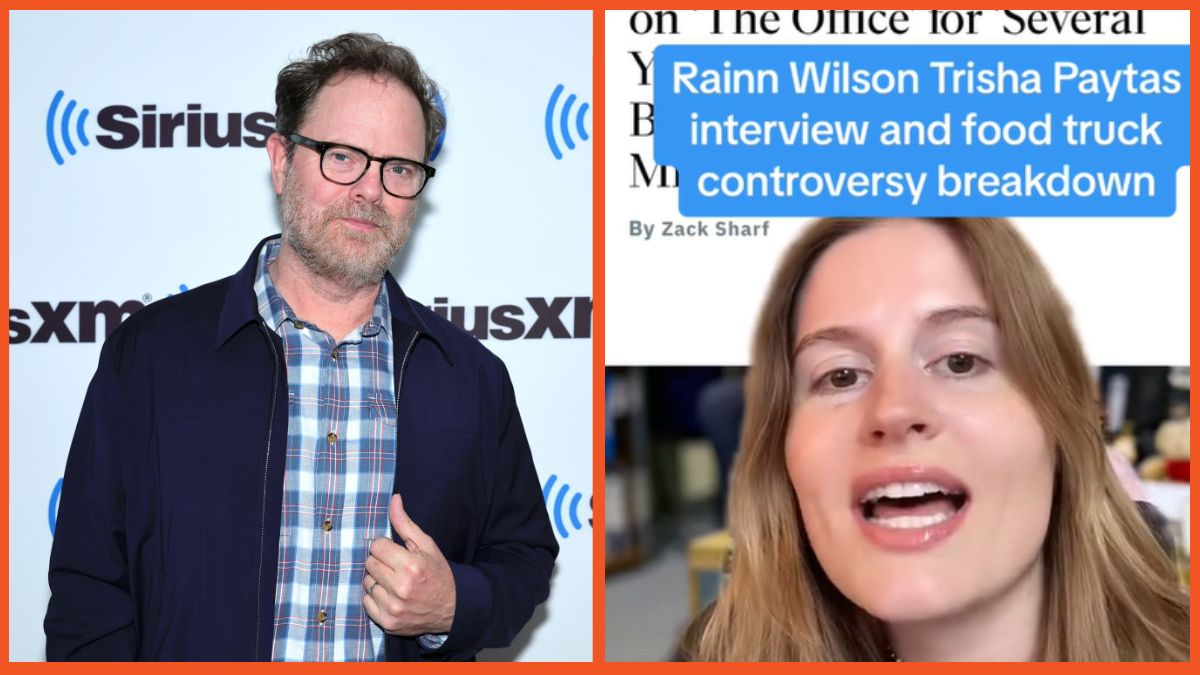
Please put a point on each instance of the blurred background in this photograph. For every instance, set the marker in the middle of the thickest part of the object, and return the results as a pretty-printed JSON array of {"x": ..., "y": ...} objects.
[{"x": 670, "y": 439}]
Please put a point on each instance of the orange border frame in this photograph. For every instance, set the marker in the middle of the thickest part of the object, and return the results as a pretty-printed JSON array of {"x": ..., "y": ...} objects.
[
  {"x": 914, "y": 667},
  {"x": 598, "y": 261}
]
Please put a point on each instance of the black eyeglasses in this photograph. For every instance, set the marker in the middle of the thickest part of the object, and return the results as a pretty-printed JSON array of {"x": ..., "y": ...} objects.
[{"x": 346, "y": 165}]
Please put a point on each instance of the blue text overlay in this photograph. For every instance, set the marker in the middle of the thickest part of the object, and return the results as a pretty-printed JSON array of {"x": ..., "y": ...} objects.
[{"x": 923, "y": 131}]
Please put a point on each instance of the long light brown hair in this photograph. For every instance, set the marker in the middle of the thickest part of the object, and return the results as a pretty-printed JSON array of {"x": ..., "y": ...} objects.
[{"x": 1111, "y": 593}]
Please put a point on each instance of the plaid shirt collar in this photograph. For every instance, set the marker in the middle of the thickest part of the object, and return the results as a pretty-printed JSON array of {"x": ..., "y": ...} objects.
[{"x": 275, "y": 310}]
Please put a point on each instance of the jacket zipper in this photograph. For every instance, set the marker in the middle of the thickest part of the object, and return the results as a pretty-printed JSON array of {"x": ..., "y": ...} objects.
[
  {"x": 400, "y": 381},
  {"x": 399, "y": 384},
  {"x": 262, "y": 529}
]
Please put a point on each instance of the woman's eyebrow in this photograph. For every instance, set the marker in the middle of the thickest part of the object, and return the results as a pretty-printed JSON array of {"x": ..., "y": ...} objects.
[
  {"x": 948, "y": 315},
  {"x": 831, "y": 334},
  {"x": 936, "y": 318}
]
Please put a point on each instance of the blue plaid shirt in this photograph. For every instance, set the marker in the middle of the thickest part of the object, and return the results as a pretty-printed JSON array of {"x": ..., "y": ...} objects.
[{"x": 341, "y": 459}]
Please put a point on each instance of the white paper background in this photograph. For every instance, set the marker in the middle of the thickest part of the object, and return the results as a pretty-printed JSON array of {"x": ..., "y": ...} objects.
[{"x": 687, "y": 301}]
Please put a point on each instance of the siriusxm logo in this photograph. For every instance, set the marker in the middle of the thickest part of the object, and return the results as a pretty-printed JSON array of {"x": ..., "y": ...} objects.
[
  {"x": 562, "y": 511},
  {"x": 64, "y": 126},
  {"x": 437, "y": 144},
  {"x": 53, "y": 319},
  {"x": 560, "y": 119},
  {"x": 54, "y": 495},
  {"x": 562, "y": 317},
  {"x": 124, "y": 126},
  {"x": 54, "y": 324}
]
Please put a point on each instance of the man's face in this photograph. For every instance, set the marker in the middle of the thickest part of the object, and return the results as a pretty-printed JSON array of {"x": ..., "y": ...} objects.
[{"x": 349, "y": 233}]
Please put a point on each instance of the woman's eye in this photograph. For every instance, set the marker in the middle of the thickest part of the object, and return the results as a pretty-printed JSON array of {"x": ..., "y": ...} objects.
[
  {"x": 961, "y": 363},
  {"x": 840, "y": 379}
]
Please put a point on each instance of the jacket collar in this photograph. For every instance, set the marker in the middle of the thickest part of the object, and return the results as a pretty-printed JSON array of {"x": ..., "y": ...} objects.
[{"x": 240, "y": 307}]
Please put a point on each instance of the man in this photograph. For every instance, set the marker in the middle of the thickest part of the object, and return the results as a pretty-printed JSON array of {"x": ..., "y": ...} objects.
[{"x": 298, "y": 462}]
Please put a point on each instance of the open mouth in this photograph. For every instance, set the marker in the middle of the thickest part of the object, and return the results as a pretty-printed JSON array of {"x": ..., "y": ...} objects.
[{"x": 912, "y": 505}]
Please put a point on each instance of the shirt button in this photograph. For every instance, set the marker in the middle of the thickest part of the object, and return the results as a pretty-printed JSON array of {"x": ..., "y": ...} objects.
[
  {"x": 321, "y": 616},
  {"x": 298, "y": 324},
  {"x": 331, "y": 437},
  {"x": 327, "y": 525},
  {"x": 334, "y": 354}
]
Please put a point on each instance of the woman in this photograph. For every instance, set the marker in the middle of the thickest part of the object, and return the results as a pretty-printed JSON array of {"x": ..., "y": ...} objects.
[{"x": 922, "y": 475}]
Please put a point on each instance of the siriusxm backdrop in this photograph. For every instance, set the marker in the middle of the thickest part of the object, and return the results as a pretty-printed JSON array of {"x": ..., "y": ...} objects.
[{"x": 138, "y": 171}]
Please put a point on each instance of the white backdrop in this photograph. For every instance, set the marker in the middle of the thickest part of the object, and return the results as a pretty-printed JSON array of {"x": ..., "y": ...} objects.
[{"x": 503, "y": 221}]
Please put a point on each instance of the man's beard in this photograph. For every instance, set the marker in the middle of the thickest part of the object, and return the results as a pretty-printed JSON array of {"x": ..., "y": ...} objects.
[{"x": 351, "y": 258}]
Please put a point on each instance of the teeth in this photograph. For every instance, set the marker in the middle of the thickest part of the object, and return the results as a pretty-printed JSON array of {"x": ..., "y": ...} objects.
[
  {"x": 911, "y": 522},
  {"x": 899, "y": 490}
]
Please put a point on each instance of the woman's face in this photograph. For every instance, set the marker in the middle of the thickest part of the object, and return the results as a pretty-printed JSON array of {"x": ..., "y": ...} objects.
[{"x": 923, "y": 475}]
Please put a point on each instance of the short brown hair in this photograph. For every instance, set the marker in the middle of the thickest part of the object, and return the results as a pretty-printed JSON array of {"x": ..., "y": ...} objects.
[{"x": 300, "y": 81}]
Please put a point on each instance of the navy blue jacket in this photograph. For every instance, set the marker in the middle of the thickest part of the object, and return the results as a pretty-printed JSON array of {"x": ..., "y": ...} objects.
[{"x": 167, "y": 537}]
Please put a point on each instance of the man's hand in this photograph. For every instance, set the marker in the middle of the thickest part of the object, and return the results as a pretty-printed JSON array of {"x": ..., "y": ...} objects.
[{"x": 409, "y": 589}]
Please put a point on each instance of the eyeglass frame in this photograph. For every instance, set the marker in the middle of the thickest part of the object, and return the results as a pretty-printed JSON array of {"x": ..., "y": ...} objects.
[{"x": 321, "y": 147}]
